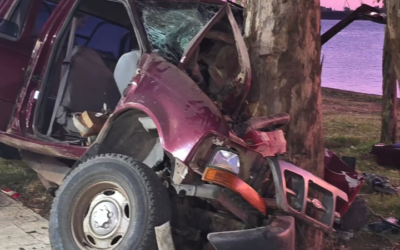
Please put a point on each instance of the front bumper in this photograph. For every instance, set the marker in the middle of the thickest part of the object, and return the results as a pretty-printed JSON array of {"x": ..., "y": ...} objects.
[{"x": 280, "y": 234}]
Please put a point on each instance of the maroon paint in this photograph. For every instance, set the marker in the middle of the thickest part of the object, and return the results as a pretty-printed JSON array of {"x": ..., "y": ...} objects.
[
  {"x": 18, "y": 54},
  {"x": 6, "y": 112},
  {"x": 46, "y": 148},
  {"x": 201, "y": 107},
  {"x": 336, "y": 172},
  {"x": 19, "y": 133},
  {"x": 182, "y": 112},
  {"x": 39, "y": 64}
]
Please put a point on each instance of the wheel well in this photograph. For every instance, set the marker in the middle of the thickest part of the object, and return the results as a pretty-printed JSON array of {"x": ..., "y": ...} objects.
[{"x": 128, "y": 136}]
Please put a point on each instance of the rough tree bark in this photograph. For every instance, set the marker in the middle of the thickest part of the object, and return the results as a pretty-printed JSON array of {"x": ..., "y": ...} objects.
[
  {"x": 393, "y": 25},
  {"x": 389, "y": 96},
  {"x": 285, "y": 47}
]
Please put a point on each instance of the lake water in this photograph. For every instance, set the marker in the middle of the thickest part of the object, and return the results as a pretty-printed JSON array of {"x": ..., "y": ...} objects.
[{"x": 353, "y": 58}]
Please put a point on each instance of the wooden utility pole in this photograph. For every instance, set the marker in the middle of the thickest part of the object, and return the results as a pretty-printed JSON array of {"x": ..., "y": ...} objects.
[{"x": 285, "y": 47}]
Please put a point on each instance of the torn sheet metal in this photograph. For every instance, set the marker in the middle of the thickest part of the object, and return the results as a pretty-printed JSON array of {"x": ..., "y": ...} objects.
[
  {"x": 353, "y": 183},
  {"x": 339, "y": 174}
]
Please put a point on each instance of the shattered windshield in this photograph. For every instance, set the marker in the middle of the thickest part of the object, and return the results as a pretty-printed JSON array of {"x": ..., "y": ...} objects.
[{"x": 170, "y": 26}]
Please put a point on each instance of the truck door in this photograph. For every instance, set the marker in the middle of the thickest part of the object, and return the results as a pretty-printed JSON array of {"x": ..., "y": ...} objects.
[{"x": 17, "y": 23}]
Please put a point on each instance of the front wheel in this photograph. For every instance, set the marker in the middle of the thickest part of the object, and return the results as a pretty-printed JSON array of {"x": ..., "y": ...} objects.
[{"x": 109, "y": 202}]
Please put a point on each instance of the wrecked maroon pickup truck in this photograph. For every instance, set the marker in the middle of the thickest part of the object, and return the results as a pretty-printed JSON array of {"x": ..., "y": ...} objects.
[{"x": 131, "y": 110}]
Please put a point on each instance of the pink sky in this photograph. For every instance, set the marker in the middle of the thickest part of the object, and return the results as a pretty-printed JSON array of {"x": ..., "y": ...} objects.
[{"x": 338, "y": 4}]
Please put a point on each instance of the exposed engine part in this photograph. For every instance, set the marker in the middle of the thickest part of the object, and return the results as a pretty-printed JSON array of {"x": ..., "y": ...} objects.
[
  {"x": 180, "y": 172},
  {"x": 227, "y": 198},
  {"x": 207, "y": 221},
  {"x": 191, "y": 224},
  {"x": 205, "y": 191}
]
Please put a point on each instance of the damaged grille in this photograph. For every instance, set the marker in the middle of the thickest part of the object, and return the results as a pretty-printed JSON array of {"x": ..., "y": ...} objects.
[{"x": 306, "y": 196}]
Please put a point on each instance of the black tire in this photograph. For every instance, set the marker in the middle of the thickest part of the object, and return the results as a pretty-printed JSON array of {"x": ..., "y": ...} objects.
[{"x": 142, "y": 187}]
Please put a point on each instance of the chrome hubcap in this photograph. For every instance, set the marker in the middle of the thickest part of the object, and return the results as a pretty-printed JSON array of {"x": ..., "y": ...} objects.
[
  {"x": 104, "y": 218},
  {"x": 107, "y": 220}
]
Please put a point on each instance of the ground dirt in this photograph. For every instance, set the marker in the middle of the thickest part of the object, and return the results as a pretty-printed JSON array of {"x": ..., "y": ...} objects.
[
  {"x": 352, "y": 127},
  {"x": 16, "y": 176}
]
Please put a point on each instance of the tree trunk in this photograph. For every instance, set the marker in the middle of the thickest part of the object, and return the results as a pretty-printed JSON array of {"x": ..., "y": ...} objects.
[
  {"x": 393, "y": 25},
  {"x": 285, "y": 47},
  {"x": 389, "y": 96}
]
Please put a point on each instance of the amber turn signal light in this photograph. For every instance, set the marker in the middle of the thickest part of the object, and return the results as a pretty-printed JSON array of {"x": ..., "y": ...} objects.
[{"x": 235, "y": 184}]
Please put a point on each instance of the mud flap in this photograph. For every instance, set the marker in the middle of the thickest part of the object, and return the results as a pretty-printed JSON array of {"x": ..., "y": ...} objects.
[{"x": 164, "y": 237}]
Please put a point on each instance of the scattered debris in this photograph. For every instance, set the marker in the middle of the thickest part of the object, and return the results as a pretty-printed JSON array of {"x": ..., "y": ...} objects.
[
  {"x": 89, "y": 123},
  {"x": 357, "y": 217},
  {"x": 380, "y": 184},
  {"x": 387, "y": 155},
  {"x": 341, "y": 172},
  {"x": 382, "y": 227},
  {"x": 346, "y": 178},
  {"x": 389, "y": 226},
  {"x": 391, "y": 221},
  {"x": 345, "y": 235},
  {"x": 10, "y": 193}
]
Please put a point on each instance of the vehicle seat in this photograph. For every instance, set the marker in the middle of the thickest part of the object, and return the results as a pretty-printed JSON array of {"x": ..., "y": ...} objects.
[
  {"x": 90, "y": 83},
  {"x": 126, "y": 69},
  {"x": 109, "y": 59}
]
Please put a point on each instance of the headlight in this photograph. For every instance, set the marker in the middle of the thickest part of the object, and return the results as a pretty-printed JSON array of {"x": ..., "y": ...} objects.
[{"x": 225, "y": 159}]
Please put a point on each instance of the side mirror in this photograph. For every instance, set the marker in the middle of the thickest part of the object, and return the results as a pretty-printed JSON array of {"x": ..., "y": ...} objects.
[{"x": 367, "y": 12}]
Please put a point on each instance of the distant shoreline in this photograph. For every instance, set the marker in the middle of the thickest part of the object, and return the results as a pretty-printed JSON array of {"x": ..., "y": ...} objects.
[
  {"x": 348, "y": 93},
  {"x": 333, "y": 15}
]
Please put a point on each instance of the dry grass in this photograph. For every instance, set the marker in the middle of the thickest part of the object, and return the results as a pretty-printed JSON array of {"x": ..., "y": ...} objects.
[{"x": 352, "y": 126}]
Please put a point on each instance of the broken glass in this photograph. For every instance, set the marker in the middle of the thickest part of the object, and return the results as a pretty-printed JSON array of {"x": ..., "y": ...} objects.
[{"x": 171, "y": 25}]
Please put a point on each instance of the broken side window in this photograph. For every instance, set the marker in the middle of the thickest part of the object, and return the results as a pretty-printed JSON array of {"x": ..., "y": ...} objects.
[{"x": 170, "y": 26}]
